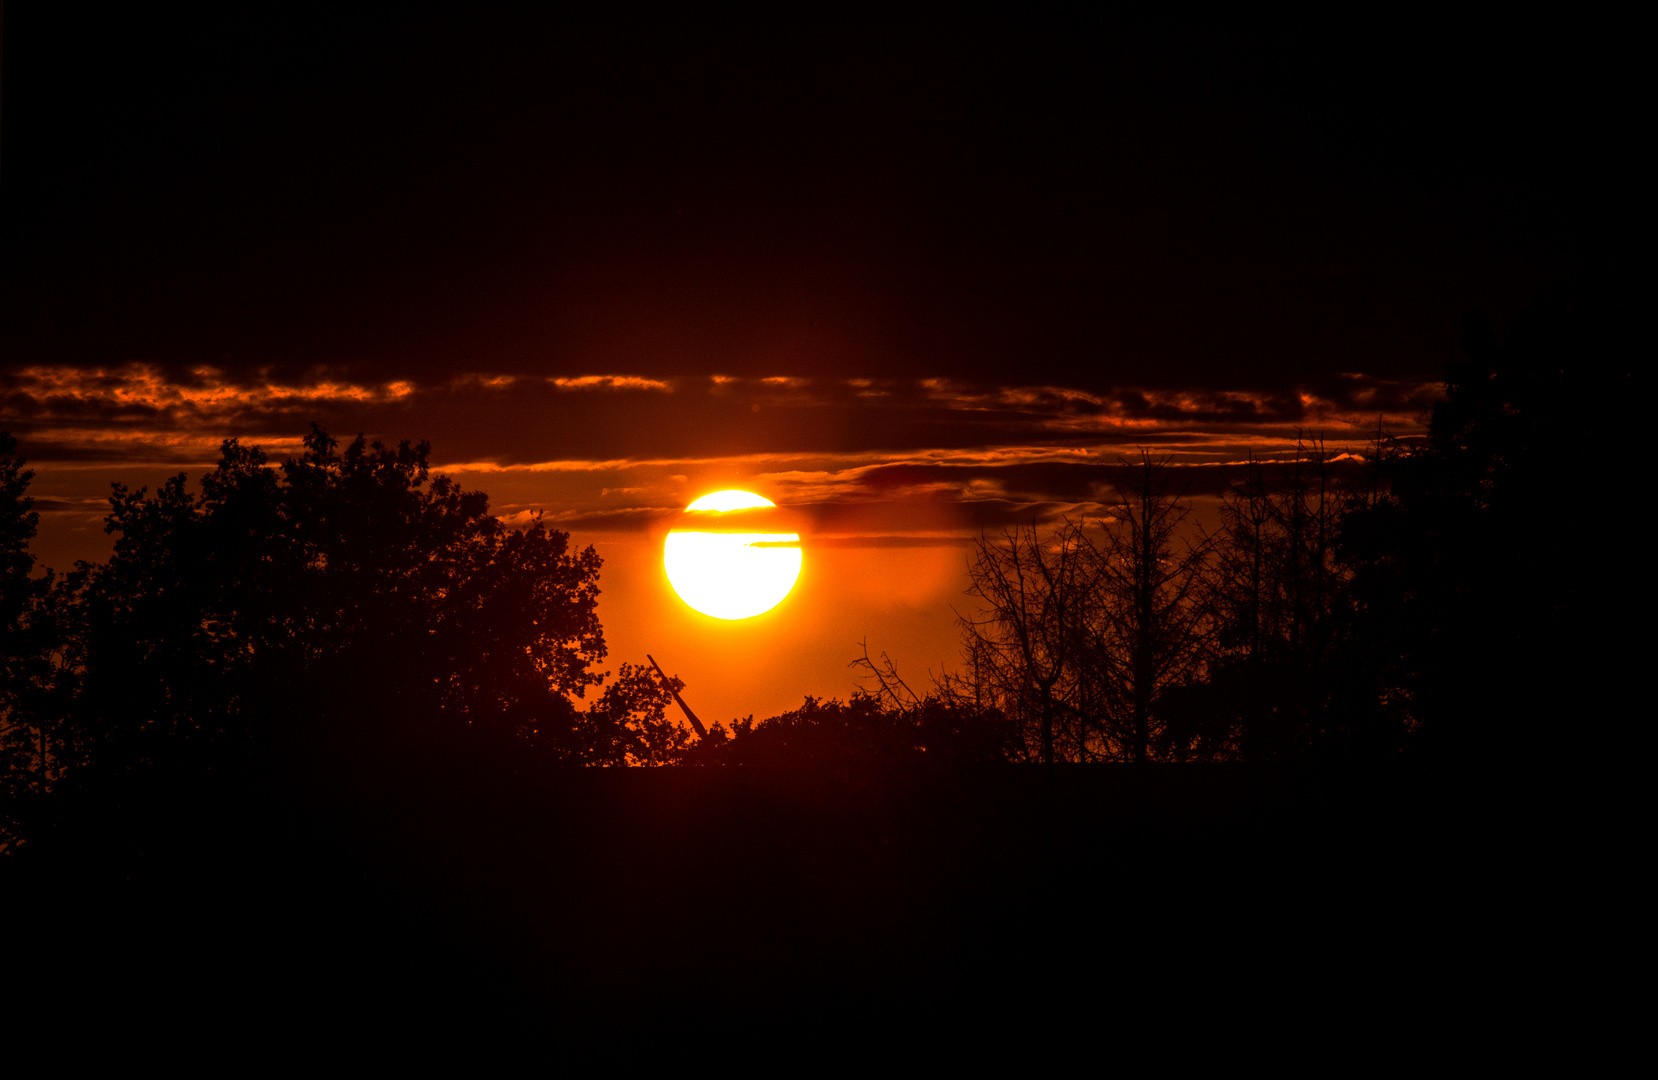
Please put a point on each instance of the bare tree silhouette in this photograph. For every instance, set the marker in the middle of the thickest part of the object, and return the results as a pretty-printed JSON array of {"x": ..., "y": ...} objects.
[
  {"x": 1024, "y": 651},
  {"x": 1083, "y": 630},
  {"x": 1276, "y": 593},
  {"x": 1152, "y": 617}
]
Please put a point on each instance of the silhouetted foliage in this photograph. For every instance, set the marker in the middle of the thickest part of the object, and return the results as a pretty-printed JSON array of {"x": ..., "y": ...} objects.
[
  {"x": 947, "y": 727},
  {"x": 353, "y": 592},
  {"x": 870, "y": 732},
  {"x": 1276, "y": 681},
  {"x": 831, "y": 735},
  {"x": 349, "y": 605},
  {"x": 1479, "y": 578},
  {"x": 1448, "y": 604},
  {"x": 34, "y": 685}
]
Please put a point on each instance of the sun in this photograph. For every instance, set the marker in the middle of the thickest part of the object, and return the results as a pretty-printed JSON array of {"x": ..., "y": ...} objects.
[
  {"x": 723, "y": 570},
  {"x": 730, "y": 499}
]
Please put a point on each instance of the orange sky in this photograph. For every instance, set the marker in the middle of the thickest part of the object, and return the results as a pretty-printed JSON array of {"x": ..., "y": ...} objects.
[{"x": 887, "y": 482}]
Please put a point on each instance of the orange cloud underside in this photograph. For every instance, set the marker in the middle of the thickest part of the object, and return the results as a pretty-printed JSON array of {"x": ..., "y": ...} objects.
[{"x": 969, "y": 453}]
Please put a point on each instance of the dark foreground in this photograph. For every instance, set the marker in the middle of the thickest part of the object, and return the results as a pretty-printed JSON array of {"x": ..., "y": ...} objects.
[{"x": 432, "y": 893}]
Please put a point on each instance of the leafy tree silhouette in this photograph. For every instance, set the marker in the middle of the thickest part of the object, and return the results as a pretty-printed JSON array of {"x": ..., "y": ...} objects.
[
  {"x": 1475, "y": 560},
  {"x": 354, "y": 592},
  {"x": 34, "y": 685}
]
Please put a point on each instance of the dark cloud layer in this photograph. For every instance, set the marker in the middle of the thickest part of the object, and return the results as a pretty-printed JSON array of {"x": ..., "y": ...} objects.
[
  {"x": 137, "y": 413},
  {"x": 1094, "y": 482}
]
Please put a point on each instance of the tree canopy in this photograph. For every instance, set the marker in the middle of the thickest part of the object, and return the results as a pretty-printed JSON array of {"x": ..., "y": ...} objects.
[
  {"x": 353, "y": 589},
  {"x": 1435, "y": 599},
  {"x": 31, "y": 728}
]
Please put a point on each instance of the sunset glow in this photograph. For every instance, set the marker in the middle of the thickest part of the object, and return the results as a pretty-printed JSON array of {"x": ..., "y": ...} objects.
[{"x": 412, "y": 431}]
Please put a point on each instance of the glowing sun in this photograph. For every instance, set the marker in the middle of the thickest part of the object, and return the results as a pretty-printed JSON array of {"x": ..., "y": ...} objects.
[{"x": 730, "y": 574}]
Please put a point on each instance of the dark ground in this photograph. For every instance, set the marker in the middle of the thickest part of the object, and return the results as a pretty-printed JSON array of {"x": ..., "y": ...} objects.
[{"x": 582, "y": 901}]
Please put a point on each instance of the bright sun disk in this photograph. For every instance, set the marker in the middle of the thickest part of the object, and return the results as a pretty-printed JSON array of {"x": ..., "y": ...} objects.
[{"x": 731, "y": 575}]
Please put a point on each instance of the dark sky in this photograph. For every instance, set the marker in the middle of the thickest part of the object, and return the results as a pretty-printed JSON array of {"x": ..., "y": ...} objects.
[{"x": 1088, "y": 203}]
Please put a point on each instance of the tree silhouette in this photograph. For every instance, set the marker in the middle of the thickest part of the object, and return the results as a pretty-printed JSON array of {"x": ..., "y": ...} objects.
[
  {"x": 351, "y": 591},
  {"x": 1082, "y": 632},
  {"x": 1152, "y": 620},
  {"x": 1489, "y": 626},
  {"x": 1277, "y": 595},
  {"x": 1025, "y": 651},
  {"x": 33, "y": 682},
  {"x": 868, "y": 734}
]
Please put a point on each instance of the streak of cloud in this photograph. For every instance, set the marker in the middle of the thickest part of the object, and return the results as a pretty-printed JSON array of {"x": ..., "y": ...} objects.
[
  {"x": 135, "y": 410},
  {"x": 864, "y": 461}
]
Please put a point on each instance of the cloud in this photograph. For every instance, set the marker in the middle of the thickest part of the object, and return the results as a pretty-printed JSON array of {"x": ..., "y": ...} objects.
[
  {"x": 611, "y": 382},
  {"x": 136, "y": 411},
  {"x": 71, "y": 506},
  {"x": 889, "y": 541},
  {"x": 864, "y": 460}
]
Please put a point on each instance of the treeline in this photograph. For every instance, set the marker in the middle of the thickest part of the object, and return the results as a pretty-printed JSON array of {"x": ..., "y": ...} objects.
[
  {"x": 1448, "y": 597},
  {"x": 1146, "y": 637},
  {"x": 1442, "y": 598},
  {"x": 349, "y": 599}
]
